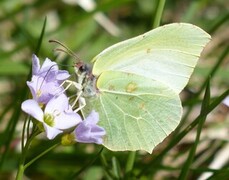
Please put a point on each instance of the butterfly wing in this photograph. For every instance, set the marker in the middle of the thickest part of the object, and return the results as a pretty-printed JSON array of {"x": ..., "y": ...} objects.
[
  {"x": 138, "y": 83},
  {"x": 167, "y": 54},
  {"x": 136, "y": 112}
]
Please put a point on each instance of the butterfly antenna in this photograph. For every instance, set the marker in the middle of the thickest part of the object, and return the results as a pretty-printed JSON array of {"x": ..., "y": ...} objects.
[
  {"x": 67, "y": 50},
  {"x": 62, "y": 50}
]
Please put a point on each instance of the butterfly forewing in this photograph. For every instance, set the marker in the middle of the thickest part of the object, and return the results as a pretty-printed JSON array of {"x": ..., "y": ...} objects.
[{"x": 166, "y": 53}]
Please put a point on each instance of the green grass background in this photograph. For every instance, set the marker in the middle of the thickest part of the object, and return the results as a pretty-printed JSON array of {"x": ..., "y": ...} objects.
[{"x": 185, "y": 154}]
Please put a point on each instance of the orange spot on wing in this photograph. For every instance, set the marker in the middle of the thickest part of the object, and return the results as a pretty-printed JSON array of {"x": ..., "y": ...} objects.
[{"x": 131, "y": 87}]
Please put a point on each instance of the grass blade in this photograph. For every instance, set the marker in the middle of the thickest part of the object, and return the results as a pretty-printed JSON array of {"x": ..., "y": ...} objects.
[
  {"x": 130, "y": 162},
  {"x": 116, "y": 168},
  {"x": 41, "y": 37},
  {"x": 203, "y": 115},
  {"x": 158, "y": 14},
  {"x": 214, "y": 69}
]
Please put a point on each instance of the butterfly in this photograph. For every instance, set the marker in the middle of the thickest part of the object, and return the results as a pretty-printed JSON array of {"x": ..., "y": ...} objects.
[{"x": 134, "y": 85}]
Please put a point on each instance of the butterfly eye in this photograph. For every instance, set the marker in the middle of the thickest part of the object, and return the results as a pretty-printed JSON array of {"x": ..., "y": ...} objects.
[{"x": 83, "y": 68}]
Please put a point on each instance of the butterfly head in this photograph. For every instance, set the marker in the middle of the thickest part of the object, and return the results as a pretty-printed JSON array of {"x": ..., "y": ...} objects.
[{"x": 85, "y": 78}]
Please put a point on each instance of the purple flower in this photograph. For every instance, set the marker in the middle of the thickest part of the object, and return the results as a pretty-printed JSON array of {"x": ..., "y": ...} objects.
[
  {"x": 88, "y": 131},
  {"x": 57, "y": 116},
  {"x": 49, "y": 70},
  {"x": 42, "y": 90},
  {"x": 46, "y": 80}
]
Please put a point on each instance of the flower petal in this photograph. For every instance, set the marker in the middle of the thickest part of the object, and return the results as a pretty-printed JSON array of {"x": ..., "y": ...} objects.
[
  {"x": 64, "y": 116},
  {"x": 67, "y": 120},
  {"x": 51, "y": 132},
  {"x": 85, "y": 134},
  {"x": 35, "y": 65},
  {"x": 62, "y": 75},
  {"x": 88, "y": 132},
  {"x": 42, "y": 91},
  {"x": 48, "y": 65},
  {"x": 35, "y": 86},
  {"x": 30, "y": 84},
  {"x": 49, "y": 70},
  {"x": 32, "y": 108},
  {"x": 57, "y": 104},
  {"x": 93, "y": 117}
]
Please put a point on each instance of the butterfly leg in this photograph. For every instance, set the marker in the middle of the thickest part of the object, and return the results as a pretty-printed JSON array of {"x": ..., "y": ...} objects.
[
  {"x": 70, "y": 83},
  {"x": 79, "y": 97},
  {"x": 82, "y": 103}
]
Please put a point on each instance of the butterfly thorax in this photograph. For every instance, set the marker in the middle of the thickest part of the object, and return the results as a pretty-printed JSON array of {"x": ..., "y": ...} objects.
[{"x": 85, "y": 77}]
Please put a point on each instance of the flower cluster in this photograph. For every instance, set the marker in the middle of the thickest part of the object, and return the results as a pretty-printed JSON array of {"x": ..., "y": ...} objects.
[{"x": 50, "y": 106}]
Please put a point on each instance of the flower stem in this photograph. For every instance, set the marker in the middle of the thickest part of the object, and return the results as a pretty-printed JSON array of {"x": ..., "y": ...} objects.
[
  {"x": 21, "y": 167},
  {"x": 20, "y": 172},
  {"x": 40, "y": 155},
  {"x": 159, "y": 10}
]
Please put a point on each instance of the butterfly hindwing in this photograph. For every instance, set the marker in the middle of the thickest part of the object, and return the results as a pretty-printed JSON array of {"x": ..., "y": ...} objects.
[{"x": 136, "y": 112}]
